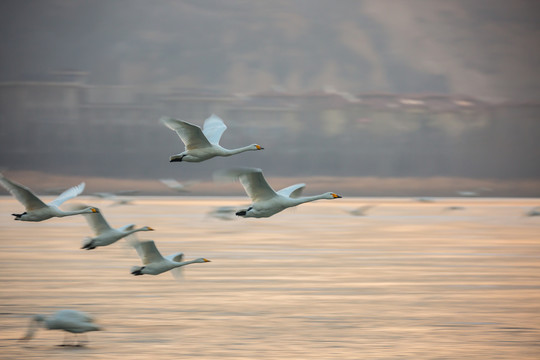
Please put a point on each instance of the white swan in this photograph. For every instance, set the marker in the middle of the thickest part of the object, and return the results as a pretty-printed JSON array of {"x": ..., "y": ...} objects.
[
  {"x": 202, "y": 144},
  {"x": 37, "y": 210},
  {"x": 265, "y": 201},
  {"x": 72, "y": 321},
  {"x": 105, "y": 234},
  {"x": 177, "y": 186},
  {"x": 154, "y": 263}
]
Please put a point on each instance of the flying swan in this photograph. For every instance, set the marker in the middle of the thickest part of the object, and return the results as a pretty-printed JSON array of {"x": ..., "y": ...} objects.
[
  {"x": 154, "y": 263},
  {"x": 177, "y": 186},
  {"x": 72, "y": 321},
  {"x": 105, "y": 234},
  {"x": 265, "y": 201},
  {"x": 37, "y": 210},
  {"x": 202, "y": 144}
]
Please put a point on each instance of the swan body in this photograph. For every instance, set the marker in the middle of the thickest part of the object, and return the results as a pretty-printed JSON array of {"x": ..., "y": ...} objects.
[
  {"x": 72, "y": 321},
  {"x": 265, "y": 201},
  {"x": 202, "y": 144},
  {"x": 105, "y": 234},
  {"x": 154, "y": 263},
  {"x": 37, "y": 210}
]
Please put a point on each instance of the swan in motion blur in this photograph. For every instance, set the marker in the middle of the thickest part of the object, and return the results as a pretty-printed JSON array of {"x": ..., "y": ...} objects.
[
  {"x": 202, "y": 144},
  {"x": 37, "y": 210},
  {"x": 117, "y": 198},
  {"x": 223, "y": 212},
  {"x": 105, "y": 234},
  {"x": 533, "y": 212},
  {"x": 154, "y": 263},
  {"x": 265, "y": 201},
  {"x": 360, "y": 211},
  {"x": 72, "y": 321},
  {"x": 177, "y": 186}
]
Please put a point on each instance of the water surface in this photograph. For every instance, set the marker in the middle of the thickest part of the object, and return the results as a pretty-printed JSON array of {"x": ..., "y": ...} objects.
[{"x": 409, "y": 280}]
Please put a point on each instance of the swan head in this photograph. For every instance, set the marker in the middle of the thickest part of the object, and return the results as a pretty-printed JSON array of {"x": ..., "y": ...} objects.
[
  {"x": 256, "y": 147},
  {"x": 147, "y": 228},
  {"x": 91, "y": 210},
  {"x": 331, "y": 195},
  {"x": 201, "y": 260}
]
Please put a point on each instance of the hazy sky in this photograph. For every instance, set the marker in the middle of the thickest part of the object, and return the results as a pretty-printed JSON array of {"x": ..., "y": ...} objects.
[{"x": 487, "y": 49}]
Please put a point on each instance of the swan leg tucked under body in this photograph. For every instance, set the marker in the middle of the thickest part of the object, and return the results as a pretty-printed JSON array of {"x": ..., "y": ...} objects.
[
  {"x": 202, "y": 144},
  {"x": 265, "y": 201},
  {"x": 37, "y": 210}
]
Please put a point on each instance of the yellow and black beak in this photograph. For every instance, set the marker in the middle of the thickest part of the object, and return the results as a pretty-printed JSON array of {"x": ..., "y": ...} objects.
[
  {"x": 259, "y": 147},
  {"x": 336, "y": 196},
  {"x": 206, "y": 260}
]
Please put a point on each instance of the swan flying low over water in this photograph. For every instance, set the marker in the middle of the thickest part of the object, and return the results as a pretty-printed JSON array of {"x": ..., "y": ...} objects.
[
  {"x": 72, "y": 321},
  {"x": 37, "y": 210},
  {"x": 105, "y": 234},
  {"x": 154, "y": 263},
  {"x": 202, "y": 144},
  {"x": 265, "y": 201}
]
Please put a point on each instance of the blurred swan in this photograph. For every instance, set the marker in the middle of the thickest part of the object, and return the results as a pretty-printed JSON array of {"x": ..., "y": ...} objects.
[
  {"x": 223, "y": 212},
  {"x": 202, "y": 144},
  {"x": 533, "y": 212},
  {"x": 360, "y": 211},
  {"x": 453, "y": 208},
  {"x": 117, "y": 198},
  {"x": 177, "y": 186},
  {"x": 265, "y": 201},
  {"x": 154, "y": 263},
  {"x": 72, "y": 321},
  {"x": 37, "y": 210},
  {"x": 105, "y": 234}
]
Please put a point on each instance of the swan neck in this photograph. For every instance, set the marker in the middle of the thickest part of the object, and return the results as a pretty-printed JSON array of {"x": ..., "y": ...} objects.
[
  {"x": 69, "y": 213},
  {"x": 240, "y": 150},
  {"x": 305, "y": 199}
]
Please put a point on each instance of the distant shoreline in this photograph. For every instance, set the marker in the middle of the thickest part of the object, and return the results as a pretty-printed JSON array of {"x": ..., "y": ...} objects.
[{"x": 42, "y": 183}]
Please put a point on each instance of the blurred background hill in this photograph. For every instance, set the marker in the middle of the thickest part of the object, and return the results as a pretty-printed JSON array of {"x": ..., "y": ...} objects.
[{"x": 356, "y": 89}]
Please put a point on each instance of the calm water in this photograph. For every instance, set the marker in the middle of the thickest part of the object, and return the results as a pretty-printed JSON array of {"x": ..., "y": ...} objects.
[{"x": 408, "y": 281}]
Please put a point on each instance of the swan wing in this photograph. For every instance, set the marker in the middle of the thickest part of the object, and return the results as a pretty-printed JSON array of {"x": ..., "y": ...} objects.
[
  {"x": 213, "y": 129},
  {"x": 292, "y": 191},
  {"x": 173, "y": 184},
  {"x": 255, "y": 185},
  {"x": 96, "y": 221},
  {"x": 177, "y": 257},
  {"x": 178, "y": 273},
  {"x": 191, "y": 135},
  {"x": 126, "y": 228},
  {"x": 148, "y": 251},
  {"x": 22, "y": 193},
  {"x": 252, "y": 179},
  {"x": 68, "y": 194}
]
